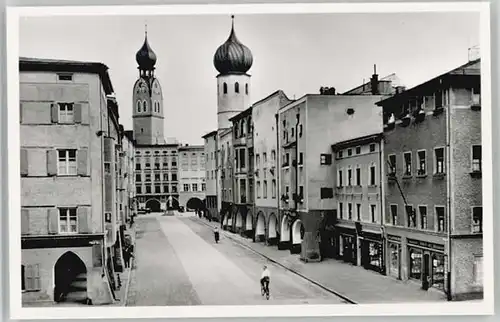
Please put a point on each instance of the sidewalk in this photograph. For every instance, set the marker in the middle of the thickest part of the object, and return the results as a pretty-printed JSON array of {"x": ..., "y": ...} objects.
[
  {"x": 352, "y": 282},
  {"x": 122, "y": 293}
]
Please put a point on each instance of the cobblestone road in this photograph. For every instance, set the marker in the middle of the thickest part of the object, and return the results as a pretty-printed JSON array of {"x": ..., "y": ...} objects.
[{"x": 178, "y": 263}]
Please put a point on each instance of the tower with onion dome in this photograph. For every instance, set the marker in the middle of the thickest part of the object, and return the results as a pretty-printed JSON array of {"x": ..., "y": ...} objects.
[
  {"x": 147, "y": 99},
  {"x": 232, "y": 60}
]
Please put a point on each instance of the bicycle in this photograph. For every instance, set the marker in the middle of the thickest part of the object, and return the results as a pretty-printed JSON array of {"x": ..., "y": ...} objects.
[{"x": 264, "y": 288}]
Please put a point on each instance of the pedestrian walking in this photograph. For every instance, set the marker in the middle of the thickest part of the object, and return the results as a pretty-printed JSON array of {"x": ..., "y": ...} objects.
[
  {"x": 216, "y": 235},
  {"x": 132, "y": 220},
  {"x": 126, "y": 256}
]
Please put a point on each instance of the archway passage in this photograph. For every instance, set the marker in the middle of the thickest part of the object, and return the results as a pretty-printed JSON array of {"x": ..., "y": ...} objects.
[
  {"x": 154, "y": 205},
  {"x": 285, "y": 230},
  {"x": 297, "y": 232},
  {"x": 195, "y": 204},
  {"x": 260, "y": 226},
  {"x": 70, "y": 279},
  {"x": 273, "y": 223},
  {"x": 239, "y": 220},
  {"x": 248, "y": 221}
]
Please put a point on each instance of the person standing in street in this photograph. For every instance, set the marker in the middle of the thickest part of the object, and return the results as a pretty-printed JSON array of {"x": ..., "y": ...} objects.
[{"x": 216, "y": 234}]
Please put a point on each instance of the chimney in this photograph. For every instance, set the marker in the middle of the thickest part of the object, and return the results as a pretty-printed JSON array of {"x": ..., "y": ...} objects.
[{"x": 374, "y": 81}]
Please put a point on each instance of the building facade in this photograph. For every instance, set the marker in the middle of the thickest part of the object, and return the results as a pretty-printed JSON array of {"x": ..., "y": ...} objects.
[
  {"x": 69, "y": 146},
  {"x": 211, "y": 199},
  {"x": 226, "y": 174},
  {"x": 358, "y": 237},
  {"x": 433, "y": 211},
  {"x": 192, "y": 179},
  {"x": 266, "y": 168},
  {"x": 243, "y": 180}
]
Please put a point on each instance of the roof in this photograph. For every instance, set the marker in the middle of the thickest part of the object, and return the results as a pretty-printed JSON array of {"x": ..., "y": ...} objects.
[
  {"x": 463, "y": 70},
  {"x": 191, "y": 147},
  {"x": 209, "y": 134},
  {"x": 241, "y": 114},
  {"x": 358, "y": 141},
  {"x": 158, "y": 146},
  {"x": 73, "y": 66},
  {"x": 129, "y": 134},
  {"x": 276, "y": 93}
]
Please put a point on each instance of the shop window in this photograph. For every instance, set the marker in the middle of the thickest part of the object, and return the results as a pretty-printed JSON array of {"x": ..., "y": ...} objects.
[
  {"x": 476, "y": 158},
  {"x": 375, "y": 254},
  {"x": 477, "y": 219},
  {"x": 422, "y": 163},
  {"x": 358, "y": 176},
  {"x": 394, "y": 260},
  {"x": 392, "y": 164},
  {"x": 326, "y": 193},
  {"x": 407, "y": 160},
  {"x": 372, "y": 147},
  {"x": 341, "y": 210},
  {"x": 394, "y": 214},
  {"x": 339, "y": 178},
  {"x": 439, "y": 167},
  {"x": 415, "y": 264},
  {"x": 349, "y": 211},
  {"x": 358, "y": 212},
  {"x": 438, "y": 271},
  {"x": 440, "y": 218},
  {"x": 373, "y": 213},
  {"x": 478, "y": 270},
  {"x": 423, "y": 216},
  {"x": 411, "y": 216}
]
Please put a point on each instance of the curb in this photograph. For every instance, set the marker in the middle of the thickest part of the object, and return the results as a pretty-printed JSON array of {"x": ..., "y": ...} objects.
[{"x": 345, "y": 298}]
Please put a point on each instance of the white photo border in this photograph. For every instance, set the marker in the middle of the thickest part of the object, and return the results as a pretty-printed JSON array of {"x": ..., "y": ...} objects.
[{"x": 13, "y": 14}]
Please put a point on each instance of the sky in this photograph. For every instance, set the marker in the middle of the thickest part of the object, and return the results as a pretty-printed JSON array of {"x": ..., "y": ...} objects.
[{"x": 297, "y": 53}]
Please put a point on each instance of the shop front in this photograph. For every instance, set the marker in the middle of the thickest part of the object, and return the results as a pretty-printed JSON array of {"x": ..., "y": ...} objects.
[
  {"x": 348, "y": 246},
  {"x": 372, "y": 252},
  {"x": 426, "y": 262},
  {"x": 394, "y": 254}
]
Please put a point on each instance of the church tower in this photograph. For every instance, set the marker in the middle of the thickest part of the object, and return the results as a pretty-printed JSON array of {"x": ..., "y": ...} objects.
[
  {"x": 147, "y": 99},
  {"x": 232, "y": 60}
]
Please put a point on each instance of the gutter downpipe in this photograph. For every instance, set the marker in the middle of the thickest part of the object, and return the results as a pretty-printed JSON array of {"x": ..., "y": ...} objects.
[
  {"x": 448, "y": 191},
  {"x": 278, "y": 169},
  {"x": 382, "y": 202}
]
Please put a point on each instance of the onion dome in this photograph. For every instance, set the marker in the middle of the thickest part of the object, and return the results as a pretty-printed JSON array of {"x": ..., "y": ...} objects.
[
  {"x": 146, "y": 57},
  {"x": 232, "y": 56}
]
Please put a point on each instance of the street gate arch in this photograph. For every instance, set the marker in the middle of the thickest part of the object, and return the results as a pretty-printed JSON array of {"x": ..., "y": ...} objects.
[
  {"x": 154, "y": 204},
  {"x": 260, "y": 226},
  {"x": 273, "y": 223},
  {"x": 285, "y": 229},
  {"x": 297, "y": 232}
]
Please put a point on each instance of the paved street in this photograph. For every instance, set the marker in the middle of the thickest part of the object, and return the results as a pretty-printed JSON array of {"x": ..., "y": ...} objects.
[{"x": 178, "y": 263}]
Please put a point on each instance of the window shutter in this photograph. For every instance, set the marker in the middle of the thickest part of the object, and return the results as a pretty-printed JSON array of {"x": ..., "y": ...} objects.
[
  {"x": 25, "y": 222},
  {"x": 77, "y": 108},
  {"x": 54, "y": 108},
  {"x": 51, "y": 163},
  {"x": 53, "y": 220},
  {"x": 83, "y": 220},
  {"x": 82, "y": 158},
  {"x": 24, "y": 162},
  {"x": 29, "y": 277}
]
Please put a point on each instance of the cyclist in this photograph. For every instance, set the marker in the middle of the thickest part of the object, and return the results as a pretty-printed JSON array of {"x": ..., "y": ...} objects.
[{"x": 265, "y": 279}]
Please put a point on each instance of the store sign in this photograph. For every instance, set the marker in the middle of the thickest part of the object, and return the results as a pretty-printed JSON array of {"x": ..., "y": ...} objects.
[
  {"x": 426, "y": 244},
  {"x": 394, "y": 238}
]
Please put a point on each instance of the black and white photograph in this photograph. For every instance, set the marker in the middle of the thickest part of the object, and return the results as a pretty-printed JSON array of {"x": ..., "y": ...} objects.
[{"x": 261, "y": 160}]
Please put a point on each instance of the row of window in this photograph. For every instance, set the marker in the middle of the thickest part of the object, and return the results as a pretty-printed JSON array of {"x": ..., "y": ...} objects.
[
  {"x": 356, "y": 151},
  {"x": 264, "y": 158},
  {"x": 418, "y": 218},
  {"x": 439, "y": 162},
  {"x": 142, "y": 107},
  {"x": 242, "y": 127},
  {"x": 157, "y": 189},
  {"x": 354, "y": 178},
  {"x": 138, "y": 152},
  {"x": 349, "y": 212},
  {"x": 147, "y": 166},
  {"x": 265, "y": 189},
  {"x": 157, "y": 177},
  {"x": 194, "y": 187},
  {"x": 236, "y": 88},
  {"x": 148, "y": 159}
]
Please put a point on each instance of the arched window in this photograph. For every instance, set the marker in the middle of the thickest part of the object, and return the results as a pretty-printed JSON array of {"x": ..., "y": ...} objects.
[
  {"x": 144, "y": 106},
  {"x": 138, "y": 106},
  {"x": 246, "y": 89},
  {"x": 158, "y": 108},
  {"x": 224, "y": 88},
  {"x": 236, "y": 87}
]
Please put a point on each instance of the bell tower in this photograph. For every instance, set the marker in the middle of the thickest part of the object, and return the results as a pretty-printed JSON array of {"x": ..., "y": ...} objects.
[{"x": 148, "y": 114}]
